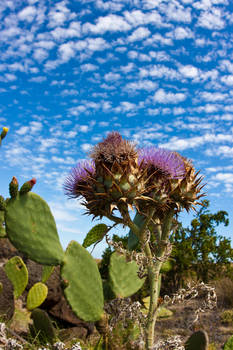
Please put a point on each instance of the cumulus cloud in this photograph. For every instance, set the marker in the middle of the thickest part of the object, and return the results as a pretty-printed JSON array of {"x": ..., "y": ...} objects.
[
  {"x": 211, "y": 19},
  {"x": 111, "y": 23},
  {"x": 139, "y": 34},
  {"x": 27, "y": 14},
  {"x": 162, "y": 96},
  {"x": 189, "y": 71}
]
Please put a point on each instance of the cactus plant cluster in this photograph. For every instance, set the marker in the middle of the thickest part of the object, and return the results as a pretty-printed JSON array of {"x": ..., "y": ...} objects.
[{"x": 156, "y": 183}]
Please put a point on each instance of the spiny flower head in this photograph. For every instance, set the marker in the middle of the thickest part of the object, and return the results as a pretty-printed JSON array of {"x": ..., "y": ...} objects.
[
  {"x": 111, "y": 179},
  {"x": 169, "y": 164},
  {"x": 113, "y": 148},
  {"x": 171, "y": 181},
  {"x": 78, "y": 178}
]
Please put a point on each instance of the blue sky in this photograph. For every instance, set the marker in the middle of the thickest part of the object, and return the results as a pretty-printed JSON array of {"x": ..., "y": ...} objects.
[{"x": 158, "y": 71}]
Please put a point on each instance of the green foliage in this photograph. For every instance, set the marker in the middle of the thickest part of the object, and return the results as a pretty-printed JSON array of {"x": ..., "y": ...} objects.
[
  {"x": 123, "y": 276},
  {"x": 198, "y": 340},
  {"x": 36, "y": 295},
  {"x": 132, "y": 238},
  {"x": 17, "y": 273},
  {"x": 124, "y": 335},
  {"x": 229, "y": 344},
  {"x": 95, "y": 235},
  {"x": 199, "y": 250},
  {"x": 227, "y": 317},
  {"x": 31, "y": 228},
  {"x": 2, "y": 226},
  {"x": 84, "y": 290}
]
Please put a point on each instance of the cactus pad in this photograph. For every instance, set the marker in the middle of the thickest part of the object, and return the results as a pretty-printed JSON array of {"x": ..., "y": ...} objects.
[
  {"x": 123, "y": 276},
  {"x": 46, "y": 272},
  {"x": 31, "y": 228},
  {"x": 198, "y": 340},
  {"x": 17, "y": 273},
  {"x": 95, "y": 235},
  {"x": 43, "y": 326},
  {"x": 229, "y": 344},
  {"x": 36, "y": 295},
  {"x": 166, "y": 267},
  {"x": 83, "y": 290}
]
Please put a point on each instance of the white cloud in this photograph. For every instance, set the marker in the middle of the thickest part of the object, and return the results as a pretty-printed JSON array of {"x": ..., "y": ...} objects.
[
  {"x": 189, "y": 71},
  {"x": 39, "y": 79},
  {"x": 86, "y": 147},
  {"x": 22, "y": 130},
  {"x": 225, "y": 177},
  {"x": 213, "y": 96},
  {"x": 109, "y": 77},
  {"x": 181, "y": 33},
  {"x": 40, "y": 54},
  {"x": 162, "y": 96},
  {"x": 139, "y": 34},
  {"x": 227, "y": 79},
  {"x": 74, "y": 30},
  {"x": 196, "y": 141},
  {"x": 174, "y": 11},
  {"x": 27, "y": 14},
  {"x": 111, "y": 23},
  {"x": 211, "y": 19},
  {"x": 147, "y": 85},
  {"x": 66, "y": 51},
  {"x": 138, "y": 18},
  {"x": 88, "y": 67}
]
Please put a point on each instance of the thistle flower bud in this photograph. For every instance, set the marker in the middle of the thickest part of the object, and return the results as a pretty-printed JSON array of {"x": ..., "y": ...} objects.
[
  {"x": 4, "y": 132},
  {"x": 171, "y": 181},
  {"x": 27, "y": 186},
  {"x": 13, "y": 187},
  {"x": 114, "y": 176}
]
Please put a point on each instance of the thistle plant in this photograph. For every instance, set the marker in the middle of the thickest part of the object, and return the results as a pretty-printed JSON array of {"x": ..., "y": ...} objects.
[{"x": 156, "y": 183}]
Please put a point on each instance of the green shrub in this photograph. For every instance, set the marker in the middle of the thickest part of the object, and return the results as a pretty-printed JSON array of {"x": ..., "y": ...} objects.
[{"x": 227, "y": 317}]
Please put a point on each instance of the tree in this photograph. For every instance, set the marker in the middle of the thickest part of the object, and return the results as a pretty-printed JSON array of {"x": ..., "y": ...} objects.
[{"x": 199, "y": 251}]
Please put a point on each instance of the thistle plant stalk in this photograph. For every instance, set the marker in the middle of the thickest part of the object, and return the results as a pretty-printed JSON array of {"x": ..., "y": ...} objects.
[{"x": 157, "y": 183}]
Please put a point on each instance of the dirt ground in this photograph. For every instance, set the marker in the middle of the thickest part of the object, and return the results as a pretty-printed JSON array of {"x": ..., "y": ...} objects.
[{"x": 181, "y": 324}]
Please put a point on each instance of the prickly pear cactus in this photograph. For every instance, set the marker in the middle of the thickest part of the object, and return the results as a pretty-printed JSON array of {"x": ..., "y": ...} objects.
[
  {"x": 123, "y": 276},
  {"x": 31, "y": 228},
  {"x": 36, "y": 295},
  {"x": 229, "y": 344},
  {"x": 17, "y": 273},
  {"x": 46, "y": 272},
  {"x": 82, "y": 283},
  {"x": 166, "y": 267},
  {"x": 95, "y": 234},
  {"x": 198, "y": 340},
  {"x": 43, "y": 327}
]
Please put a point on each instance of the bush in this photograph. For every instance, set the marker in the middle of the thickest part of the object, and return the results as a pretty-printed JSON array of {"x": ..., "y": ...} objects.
[
  {"x": 224, "y": 288},
  {"x": 227, "y": 317}
]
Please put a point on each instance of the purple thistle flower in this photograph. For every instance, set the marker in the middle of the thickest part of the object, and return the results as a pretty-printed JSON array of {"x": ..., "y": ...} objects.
[
  {"x": 167, "y": 162},
  {"x": 78, "y": 177}
]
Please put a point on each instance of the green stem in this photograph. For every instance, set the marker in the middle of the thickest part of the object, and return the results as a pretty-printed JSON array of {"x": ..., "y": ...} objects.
[{"x": 153, "y": 276}]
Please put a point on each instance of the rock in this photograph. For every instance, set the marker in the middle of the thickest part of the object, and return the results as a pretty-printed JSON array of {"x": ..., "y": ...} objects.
[
  {"x": 55, "y": 303},
  {"x": 7, "y": 305}
]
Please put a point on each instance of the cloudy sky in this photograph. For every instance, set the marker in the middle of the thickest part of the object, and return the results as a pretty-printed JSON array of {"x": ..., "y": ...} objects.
[{"x": 158, "y": 71}]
